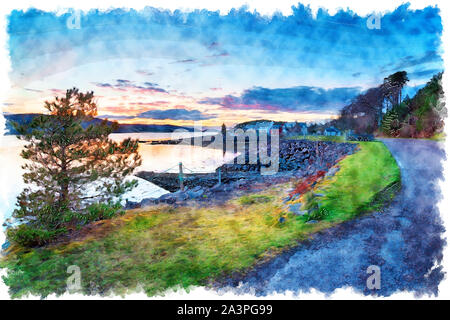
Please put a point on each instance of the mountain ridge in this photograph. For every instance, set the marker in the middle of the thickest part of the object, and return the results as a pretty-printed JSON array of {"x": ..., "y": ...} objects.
[{"x": 25, "y": 118}]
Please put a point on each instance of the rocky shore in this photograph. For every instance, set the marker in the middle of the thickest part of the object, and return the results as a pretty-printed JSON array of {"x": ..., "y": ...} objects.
[{"x": 297, "y": 159}]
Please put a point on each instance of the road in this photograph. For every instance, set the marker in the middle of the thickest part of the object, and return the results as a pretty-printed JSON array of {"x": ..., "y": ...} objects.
[{"x": 404, "y": 241}]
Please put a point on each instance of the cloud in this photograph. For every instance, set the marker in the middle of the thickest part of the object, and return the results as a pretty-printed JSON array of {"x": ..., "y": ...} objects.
[
  {"x": 176, "y": 114},
  {"x": 410, "y": 61},
  {"x": 186, "y": 61},
  {"x": 302, "y": 38},
  {"x": 57, "y": 91},
  {"x": 144, "y": 72},
  {"x": 153, "y": 103},
  {"x": 428, "y": 73},
  {"x": 124, "y": 85},
  {"x": 115, "y": 117},
  {"x": 33, "y": 90},
  {"x": 302, "y": 98}
]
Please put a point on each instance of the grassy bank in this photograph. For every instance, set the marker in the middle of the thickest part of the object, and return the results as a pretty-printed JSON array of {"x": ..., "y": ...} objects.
[
  {"x": 365, "y": 182},
  {"x": 161, "y": 247}
]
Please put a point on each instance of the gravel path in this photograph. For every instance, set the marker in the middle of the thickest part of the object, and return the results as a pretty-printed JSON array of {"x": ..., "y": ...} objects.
[{"x": 404, "y": 240}]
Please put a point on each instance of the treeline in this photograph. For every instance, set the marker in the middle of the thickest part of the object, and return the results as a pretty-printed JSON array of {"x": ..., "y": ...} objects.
[
  {"x": 383, "y": 111},
  {"x": 419, "y": 117}
]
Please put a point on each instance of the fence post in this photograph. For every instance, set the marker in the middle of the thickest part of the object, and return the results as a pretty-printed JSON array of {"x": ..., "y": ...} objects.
[
  {"x": 220, "y": 176},
  {"x": 180, "y": 176}
]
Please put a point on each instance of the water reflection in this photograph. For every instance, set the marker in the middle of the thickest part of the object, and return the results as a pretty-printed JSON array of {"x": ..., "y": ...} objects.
[{"x": 157, "y": 158}]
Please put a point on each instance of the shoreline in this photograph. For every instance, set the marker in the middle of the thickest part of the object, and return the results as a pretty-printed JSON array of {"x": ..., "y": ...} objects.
[{"x": 297, "y": 159}]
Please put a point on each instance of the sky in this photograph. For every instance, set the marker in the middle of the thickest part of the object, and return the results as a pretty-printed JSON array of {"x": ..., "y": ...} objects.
[{"x": 159, "y": 66}]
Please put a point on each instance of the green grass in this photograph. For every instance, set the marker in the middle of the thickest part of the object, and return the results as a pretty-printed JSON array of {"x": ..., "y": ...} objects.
[
  {"x": 439, "y": 137},
  {"x": 158, "y": 248},
  {"x": 365, "y": 181}
]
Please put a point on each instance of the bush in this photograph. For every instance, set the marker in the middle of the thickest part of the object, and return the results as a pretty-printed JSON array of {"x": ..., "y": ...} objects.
[
  {"x": 44, "y": 229},
  {"x": 100, "y": 211},
  {"x": 317, "y": 214},
  {"x": 28, "y": 236}
]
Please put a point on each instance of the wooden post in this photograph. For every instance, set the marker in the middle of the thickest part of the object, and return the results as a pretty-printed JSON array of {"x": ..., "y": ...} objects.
[
  {"x": 220, "y": 175},
  {"x": 180, "y": 176}
]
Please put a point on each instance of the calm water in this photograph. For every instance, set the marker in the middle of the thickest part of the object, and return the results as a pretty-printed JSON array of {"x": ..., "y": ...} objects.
[{"x": 159, "y": 158}]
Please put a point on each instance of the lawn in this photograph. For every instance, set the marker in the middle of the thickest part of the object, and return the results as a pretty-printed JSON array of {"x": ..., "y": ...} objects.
[{"x": 157, "y": 248}]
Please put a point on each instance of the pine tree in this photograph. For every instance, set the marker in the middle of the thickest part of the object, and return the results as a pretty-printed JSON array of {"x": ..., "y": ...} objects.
[
  {"x": 68, "y": 151},
  {"x": 389, "y": 124}
]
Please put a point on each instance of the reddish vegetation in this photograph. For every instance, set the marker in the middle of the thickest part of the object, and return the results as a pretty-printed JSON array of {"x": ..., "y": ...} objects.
[{"x": 306, "y": 184}]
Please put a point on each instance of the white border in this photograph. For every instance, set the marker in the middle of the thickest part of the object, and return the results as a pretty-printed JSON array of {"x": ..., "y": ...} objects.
[{"x": 264, "y": 7}]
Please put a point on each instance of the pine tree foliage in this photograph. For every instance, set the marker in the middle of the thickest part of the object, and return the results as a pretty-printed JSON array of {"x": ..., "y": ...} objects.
[{"x": 68, "y": 152}]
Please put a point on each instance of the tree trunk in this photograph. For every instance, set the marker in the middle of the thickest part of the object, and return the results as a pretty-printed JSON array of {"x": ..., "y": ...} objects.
[{"x": 64, "y": 192}]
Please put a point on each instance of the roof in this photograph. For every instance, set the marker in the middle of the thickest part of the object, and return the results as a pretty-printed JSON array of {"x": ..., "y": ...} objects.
[{"x": 332, "y": 129}]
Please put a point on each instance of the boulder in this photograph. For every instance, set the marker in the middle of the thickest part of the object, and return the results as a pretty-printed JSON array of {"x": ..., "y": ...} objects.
[
  {"x": 193, "y": 194},
  {"x": 295, "y": 209},
  {"x": 332, "y": 171},
  {"x": 6, "y": 245}
]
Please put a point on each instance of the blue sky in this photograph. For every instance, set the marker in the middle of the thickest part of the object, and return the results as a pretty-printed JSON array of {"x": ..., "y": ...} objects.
[{"x": 156, "y": 66}]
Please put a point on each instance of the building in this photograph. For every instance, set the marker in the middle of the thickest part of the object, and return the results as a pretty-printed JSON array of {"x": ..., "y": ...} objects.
[
  {"x": 332, "y": 131},
  {"x": 295, "y": 128}
]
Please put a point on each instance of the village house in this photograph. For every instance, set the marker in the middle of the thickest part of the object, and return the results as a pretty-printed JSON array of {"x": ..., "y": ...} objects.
[
  {"x": 332, "y": 131},
  {"x": 295, "y": 128}
]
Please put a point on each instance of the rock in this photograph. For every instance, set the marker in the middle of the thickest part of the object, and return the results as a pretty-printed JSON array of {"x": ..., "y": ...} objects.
[
  {"x": 295, "y": 209},
  {"x": 167, "y": 196},
  {"x": 170, "y": 201},
  {"x": 182, "y": 196},
  {"x": 216, "y": 187},
  {"x": 281, "y": 220},
  {"x": 195, "y": 194},
  {"x": 332, "y": 171},
  {"x": 6, "y": 245},
  {"x": 312, "y": 221},
  {"x": 132, "y": 204},
  {"x": 146, "y": 202},
  {"x": 318, "y": 195}
]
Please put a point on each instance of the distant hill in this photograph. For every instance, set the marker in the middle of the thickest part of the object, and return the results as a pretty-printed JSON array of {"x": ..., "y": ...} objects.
[
  {"x": 257, "y": 124},
  {"x": 25, "y": 118}
]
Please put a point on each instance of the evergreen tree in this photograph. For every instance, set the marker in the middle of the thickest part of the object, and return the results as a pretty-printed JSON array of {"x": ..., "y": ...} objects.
[
  {"x": 68, "y": 151},
  {"x": 393, "y": 86}
]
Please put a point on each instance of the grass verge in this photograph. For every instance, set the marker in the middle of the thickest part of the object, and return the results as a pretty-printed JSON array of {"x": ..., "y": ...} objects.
[
  {"x": 157, "y": 248},
  {"x": 365, "y": 182}
]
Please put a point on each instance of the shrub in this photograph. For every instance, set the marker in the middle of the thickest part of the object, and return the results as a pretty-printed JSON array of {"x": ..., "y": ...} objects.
[
  {"x": 100, "y": 211},
  {"x": 317, "y": 214},
  {"x": 28, "y": 236},
  {"x": 45, "y": 229}
]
